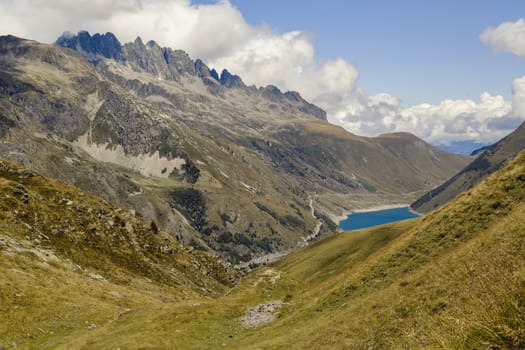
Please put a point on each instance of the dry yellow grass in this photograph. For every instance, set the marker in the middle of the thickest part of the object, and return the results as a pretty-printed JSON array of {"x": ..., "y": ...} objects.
[{"x": 454, "y": 279}]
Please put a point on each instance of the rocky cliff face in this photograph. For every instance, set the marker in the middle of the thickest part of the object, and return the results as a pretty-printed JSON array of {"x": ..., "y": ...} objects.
[{"x": 96, "y": 46}]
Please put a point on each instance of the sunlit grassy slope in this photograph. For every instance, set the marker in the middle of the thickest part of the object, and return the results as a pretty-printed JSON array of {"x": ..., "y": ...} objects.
[{"x": 454, "y": 279}]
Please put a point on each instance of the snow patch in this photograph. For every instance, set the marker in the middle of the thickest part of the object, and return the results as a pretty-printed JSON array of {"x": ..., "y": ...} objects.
[{"x": 151, "y": 165}]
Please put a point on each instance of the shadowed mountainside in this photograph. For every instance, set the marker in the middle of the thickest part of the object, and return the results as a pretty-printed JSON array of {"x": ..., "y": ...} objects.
[{"x": 490, "y": 159}]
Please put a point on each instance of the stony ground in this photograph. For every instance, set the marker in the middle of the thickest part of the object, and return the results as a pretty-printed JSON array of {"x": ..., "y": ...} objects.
[{"x": 261, "y": 314}]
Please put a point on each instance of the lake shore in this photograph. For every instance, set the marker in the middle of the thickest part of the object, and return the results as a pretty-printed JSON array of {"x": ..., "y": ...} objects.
[{"x": 415, "y": 212}]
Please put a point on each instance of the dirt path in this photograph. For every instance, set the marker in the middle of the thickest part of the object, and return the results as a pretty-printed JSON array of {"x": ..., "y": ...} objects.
[{"x": 317, "y": 226}]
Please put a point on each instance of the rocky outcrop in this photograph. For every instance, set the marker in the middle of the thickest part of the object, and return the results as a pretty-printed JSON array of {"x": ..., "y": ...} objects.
[
  {"x": 292, "y": 99},
  {"x": 230, "y": 80},
  {"x": 163, "y": 63}
]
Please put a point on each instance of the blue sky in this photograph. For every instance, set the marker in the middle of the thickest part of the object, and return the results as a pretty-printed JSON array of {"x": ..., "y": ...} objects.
[{"x": 420, "y": 51}]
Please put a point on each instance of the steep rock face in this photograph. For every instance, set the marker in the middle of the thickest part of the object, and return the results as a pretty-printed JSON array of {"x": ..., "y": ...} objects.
[
  {"x": 231, "y": 81},
  {"x": 209, "y": 77},
  {"x": 104, "y": 45},
  {"x": 487, "y": 162},
  {"x": 163, "y": 63}
]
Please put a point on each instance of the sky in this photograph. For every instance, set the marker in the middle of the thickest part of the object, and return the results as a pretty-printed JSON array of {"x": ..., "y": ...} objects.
[{"x": 451, "y": 72}]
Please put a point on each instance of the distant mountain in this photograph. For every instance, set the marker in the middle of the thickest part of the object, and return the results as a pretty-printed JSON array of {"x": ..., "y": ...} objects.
[
  {"x": 462, "y": 147},
  {"x": 489, "y": 159},
  {"x": 173, "y": 65},
  {"x": 479, "y": 150},
  {"x": 241, "y": 170}
]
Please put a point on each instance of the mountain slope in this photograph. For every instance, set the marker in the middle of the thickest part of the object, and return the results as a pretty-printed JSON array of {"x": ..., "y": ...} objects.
[
  {"x": 452, "y": 279},
  {"x": 491, "y": 159},
  {"x": 225, "y": 166},
  {"x": 70, "y": 261}
]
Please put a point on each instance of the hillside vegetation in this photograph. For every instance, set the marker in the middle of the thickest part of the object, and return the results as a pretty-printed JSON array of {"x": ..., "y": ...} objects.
[
  {"x": 69, "y": 261},
  {"x": 454, "y": 279}
]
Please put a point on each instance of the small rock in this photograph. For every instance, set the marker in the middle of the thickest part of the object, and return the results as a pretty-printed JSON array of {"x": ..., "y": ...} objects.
[
  {"x": 76, "y": 267},
  {"x": 97, "y": 277}
]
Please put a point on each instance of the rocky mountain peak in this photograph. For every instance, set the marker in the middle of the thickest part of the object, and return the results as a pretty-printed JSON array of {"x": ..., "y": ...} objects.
[
  {"x": 272, "y": 92},
  {"x": 214, "y": 74},
  {"x": 206, "y": 74},
  {"x": 138, "y": 41},
  {"x": 153, "y": 44},
  {"x": 231, "y": 80},
  {"x": 96, "y": 46}
]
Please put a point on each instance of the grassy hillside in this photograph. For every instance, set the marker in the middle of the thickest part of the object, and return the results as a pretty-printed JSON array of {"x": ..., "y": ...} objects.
[
  {"x": 491, "y": 159},
  {"x": 453, "y": 279},
  {"x": 70, "y": 262}
]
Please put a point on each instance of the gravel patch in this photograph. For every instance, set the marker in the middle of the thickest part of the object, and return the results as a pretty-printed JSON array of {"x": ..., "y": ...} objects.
[{"x": 261, "y": 314}]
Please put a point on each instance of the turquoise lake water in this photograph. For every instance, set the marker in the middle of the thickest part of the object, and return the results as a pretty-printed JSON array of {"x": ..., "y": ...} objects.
[{"x": 356, "y": 221}]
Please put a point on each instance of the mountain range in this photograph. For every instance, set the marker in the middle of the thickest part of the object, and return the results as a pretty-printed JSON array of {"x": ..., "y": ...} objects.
[{"x": 240, "y": 170}]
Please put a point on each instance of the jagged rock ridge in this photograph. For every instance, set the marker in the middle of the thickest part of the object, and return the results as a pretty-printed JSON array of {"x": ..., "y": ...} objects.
[{"x": 166, "y": 63}]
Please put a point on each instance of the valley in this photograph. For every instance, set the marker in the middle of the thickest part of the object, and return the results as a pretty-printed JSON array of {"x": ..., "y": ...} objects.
[
  {"x": 148, "y": 201},
  {"x": 337, "y": 293}
]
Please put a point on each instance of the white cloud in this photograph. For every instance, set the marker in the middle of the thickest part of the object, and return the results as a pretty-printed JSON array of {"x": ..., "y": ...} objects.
[
  {"x": 508, "y": 36},
  {"x": 485, "y": 121},
  {"x": 459, "y": 120},
  {"x": 518, "y": 97},
  {"x": 219, "y": 35}
]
